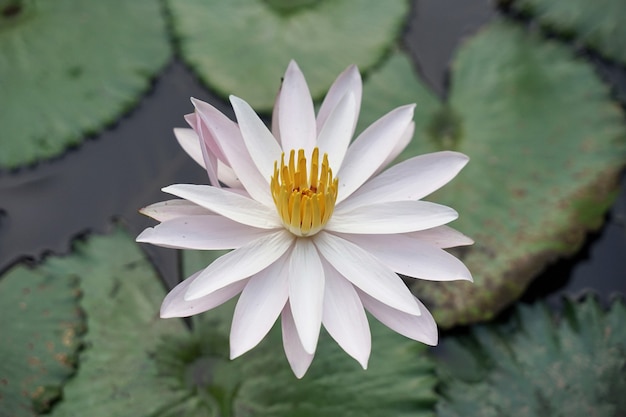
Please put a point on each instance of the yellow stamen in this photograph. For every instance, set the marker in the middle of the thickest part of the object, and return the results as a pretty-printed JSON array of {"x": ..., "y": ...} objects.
[{"x": 304, "y": 202}]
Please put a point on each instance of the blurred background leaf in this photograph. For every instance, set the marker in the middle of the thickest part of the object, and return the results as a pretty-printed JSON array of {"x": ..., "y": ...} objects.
[
  {"x": 546, "y": 144},
  {"x": 73, "y": 68},
  {"x": 40, "y": 334},
  {"x": 242, "y": 47},
  {"x": 535, "y": 365},
  {"x": 598, "y": 25},
  {"x": 117, "y": 375}
]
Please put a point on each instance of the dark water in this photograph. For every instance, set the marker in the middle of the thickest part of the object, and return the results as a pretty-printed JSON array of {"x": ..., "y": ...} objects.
[
  {"x": 106, "y": 179},
  {"x": 110, "y": 176}
]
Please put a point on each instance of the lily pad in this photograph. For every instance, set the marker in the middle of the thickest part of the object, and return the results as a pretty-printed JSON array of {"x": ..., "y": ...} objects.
[
  {"x": 546, "y": 145},
  {"x": 399, "y": 382},
  {"x": 40, "y": 324},
  {"x": 136, "y": 364},
  {"x": 598, "y": 25},
  {"x": 69, "y": 68},
  {"x": 532, "y": 365},
  {"x": 122, "y": 294},
  {"x": 242, "y": 47}
]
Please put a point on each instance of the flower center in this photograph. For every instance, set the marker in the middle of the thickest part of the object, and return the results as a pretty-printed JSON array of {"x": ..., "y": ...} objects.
[{"x": 304, "y": 202}]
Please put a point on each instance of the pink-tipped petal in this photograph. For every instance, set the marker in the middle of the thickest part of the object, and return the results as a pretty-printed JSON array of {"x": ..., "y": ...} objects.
[
  {"x": 232, "y": 205},
  {"x": 298, "y": 358},
  {"x": 442, "y": 237},
  {"x": 412, "y": 179},
  {"x": 228, "y": 137},
  {"x": 219, "y": 128},
  {"x": 258, "y": 307},
  {"x": 296, "y": 115},
  {"x": 421, "y": 328},
  {"x": 175, "y": 305},
  {"x": 389, "y": 218},
  {"x": 371, "y": 148},
  {"x": 366, "y": 272},
  {"x": 209, "y": 159},
  {"x": 190, "y": 142},
  {"x": 306, "y": 292},
  {"x": 197, "y": 123},
  {"x": 204, "y": 232},
  {"x": 171, "y": 209},
  {"x": 239, "y": 264},
  {"x": 349, "y": 81},
  {"x": 412, "y": 257},
  {"x": 336, "y": 133},
  {"x": 344, "y": 317},
  {"x": 261, "y": 145}
]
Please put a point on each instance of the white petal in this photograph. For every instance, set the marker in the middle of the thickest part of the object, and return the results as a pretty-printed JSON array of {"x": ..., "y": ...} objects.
[
  {"x": 306, "y": 292},
  {"x": 336, "y": 133},
  {"x": 299, "y": 359},
  {"x": 412, "y": 179},
  {"x": 190, "y": 142},
  {"x": 296, "y": 116},
  {"x": 412, "y": 257},
  {"x": 400, "y": 146},
  {"x": 258, "y": 307},
  {"x": 442, "y": 237},
  {"x": 261, "y": 145},
  {"x": 371, "y": 149},
  {"x": 349, "y": 81},
  {"x": 389, "y": 218},
  {"x": 240, "y": 263},
  {"x": 226, "y": 175},
  {"x": 227, "y": 135},
  {"x": 366, "y": 272},
  {"x": 344, "y": 317},
  {"x": 232, "y": 205},
  {"x": 175, "y": 305},
  {"x": 171, "y": 209},
  {"x": 204, "y": 232},
  {"x": 421, "y": 328}
]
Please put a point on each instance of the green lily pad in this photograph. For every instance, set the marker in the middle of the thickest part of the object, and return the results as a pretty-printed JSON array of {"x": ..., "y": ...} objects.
[
  {"x": 399, "y": 381},
  {"x": 122, "y": 293},
  {"x": 534, "y": 366},
  {"x": 136, "y": 364},
  {"x": 598, "y": 25},
  {"x": 242, "y": 47},
  {"x": 546, "y": 145},
  {"x": 40, "y": 328},
  {"x": 69, "y": 68}
]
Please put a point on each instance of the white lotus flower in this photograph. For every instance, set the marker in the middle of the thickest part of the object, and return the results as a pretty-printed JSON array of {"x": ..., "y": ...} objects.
[{"x": 318, "y": 232}]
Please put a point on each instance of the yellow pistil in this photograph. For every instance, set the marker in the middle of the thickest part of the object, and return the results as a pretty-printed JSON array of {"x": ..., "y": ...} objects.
[{"x": 305, "y": 199}]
